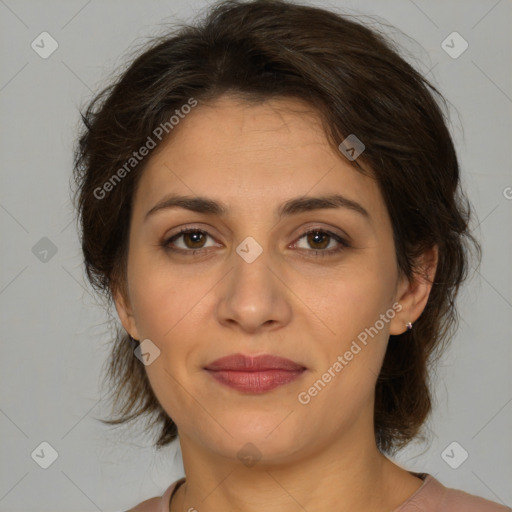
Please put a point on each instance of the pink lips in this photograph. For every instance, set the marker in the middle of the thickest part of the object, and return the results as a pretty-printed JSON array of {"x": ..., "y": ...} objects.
[{"x": 254, "y": 374}]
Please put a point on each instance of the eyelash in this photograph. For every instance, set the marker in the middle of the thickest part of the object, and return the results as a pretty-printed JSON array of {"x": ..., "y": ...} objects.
[{"x": 317, "y": 252}]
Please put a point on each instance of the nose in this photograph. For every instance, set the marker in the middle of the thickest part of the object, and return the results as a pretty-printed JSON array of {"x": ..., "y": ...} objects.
[{"x": 254, "y": 295}]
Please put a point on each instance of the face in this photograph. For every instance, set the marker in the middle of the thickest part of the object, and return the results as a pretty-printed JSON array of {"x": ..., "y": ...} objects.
[{"x": 251, "y": 280}]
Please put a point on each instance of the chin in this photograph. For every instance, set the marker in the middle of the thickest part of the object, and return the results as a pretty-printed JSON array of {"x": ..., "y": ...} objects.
[{"x": 257, "y": 442}]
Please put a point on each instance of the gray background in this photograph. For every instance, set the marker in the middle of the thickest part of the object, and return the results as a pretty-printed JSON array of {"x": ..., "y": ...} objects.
[{"x": 55, "y": 334}]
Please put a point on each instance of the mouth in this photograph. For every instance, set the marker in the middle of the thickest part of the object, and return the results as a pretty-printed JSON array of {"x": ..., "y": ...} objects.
[{"x": 254, "y": 374}]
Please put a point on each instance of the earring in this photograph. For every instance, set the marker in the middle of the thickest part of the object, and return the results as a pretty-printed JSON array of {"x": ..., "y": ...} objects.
[
  {"x": 133, "y": 340},
  {"x": 409, "y": 326}
]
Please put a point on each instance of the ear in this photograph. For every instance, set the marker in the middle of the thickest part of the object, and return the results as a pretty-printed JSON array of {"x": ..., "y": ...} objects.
[
  {"x": 125, "y": 312},
  {"x": 413, "y": 294}
]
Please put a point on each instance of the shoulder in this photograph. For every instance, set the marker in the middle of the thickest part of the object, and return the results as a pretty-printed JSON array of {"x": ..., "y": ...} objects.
[
  {"x": 149, "y": 505},
  {"x": 455, "y": 499},
  {"x": 433, "y": 496},
  {"x": 159, "y": 503}
]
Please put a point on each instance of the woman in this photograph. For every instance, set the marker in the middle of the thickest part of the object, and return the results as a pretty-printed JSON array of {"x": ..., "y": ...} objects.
[{"x": 271, "y": 199}]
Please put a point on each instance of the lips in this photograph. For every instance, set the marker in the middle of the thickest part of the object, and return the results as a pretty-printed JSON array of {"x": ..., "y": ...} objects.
[
  {"x": 241, "y": 362},
  {"x": 254, "y": 374}
]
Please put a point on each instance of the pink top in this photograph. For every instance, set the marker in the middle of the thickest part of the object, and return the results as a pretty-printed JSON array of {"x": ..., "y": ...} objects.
[{"x": 432, "y": 496}]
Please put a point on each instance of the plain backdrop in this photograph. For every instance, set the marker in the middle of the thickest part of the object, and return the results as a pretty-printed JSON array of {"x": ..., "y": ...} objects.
[{"x": 55, "y": 334}]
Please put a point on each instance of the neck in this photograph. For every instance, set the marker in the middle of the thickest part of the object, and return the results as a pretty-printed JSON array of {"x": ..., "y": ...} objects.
[{"x": 343, "y": 476}]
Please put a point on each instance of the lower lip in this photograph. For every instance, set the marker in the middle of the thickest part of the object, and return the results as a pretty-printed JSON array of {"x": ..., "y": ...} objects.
[{"x": 255, "y": 382}]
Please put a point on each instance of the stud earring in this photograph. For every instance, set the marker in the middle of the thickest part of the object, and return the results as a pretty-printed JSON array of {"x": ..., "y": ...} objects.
[{"x": 409, "y": 326}]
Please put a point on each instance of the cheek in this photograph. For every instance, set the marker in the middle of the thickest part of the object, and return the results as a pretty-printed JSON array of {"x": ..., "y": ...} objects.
[
  {"x": 344, "y": 381},
  {"x": 351, "y": 299},
  {"x": 351, "y": 309},
  {"x": 162, "y": 297},
  {"x": 169, "y": 312}
]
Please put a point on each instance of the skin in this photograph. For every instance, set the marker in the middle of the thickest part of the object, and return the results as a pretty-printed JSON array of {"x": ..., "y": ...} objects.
[{"x": 288, "y": 302}]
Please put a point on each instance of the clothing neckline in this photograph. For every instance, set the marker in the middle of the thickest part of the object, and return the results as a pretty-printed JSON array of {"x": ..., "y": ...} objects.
[
  {"x": 427, "y": 478},
  {"x": 177, "y": 485}
]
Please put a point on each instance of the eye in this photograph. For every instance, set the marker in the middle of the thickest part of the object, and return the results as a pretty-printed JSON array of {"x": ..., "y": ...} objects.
[
  {"x": 320, "y": 240},
  {"x": 193, "y": 240}
]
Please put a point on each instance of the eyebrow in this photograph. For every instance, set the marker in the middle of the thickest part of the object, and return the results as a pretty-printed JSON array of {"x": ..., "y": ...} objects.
[{"x": 290, "y": 207}]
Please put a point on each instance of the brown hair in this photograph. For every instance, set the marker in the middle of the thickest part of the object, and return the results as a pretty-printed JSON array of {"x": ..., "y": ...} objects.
[{"x": 355, "y": 79}]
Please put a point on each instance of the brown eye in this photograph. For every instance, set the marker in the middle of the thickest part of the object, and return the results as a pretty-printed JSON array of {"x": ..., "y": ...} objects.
[
  {"x": 319, "y": 240},
  {"x": 194, "y": 239},
  {"x": 191, "y": 239}
]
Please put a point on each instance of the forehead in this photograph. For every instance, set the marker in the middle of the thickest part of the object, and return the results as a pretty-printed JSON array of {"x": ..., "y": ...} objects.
[{"x": 251, "y": 155}]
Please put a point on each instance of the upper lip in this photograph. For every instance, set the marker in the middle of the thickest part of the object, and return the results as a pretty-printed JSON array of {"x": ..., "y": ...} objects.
[{"x": 241, "y": 362}]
